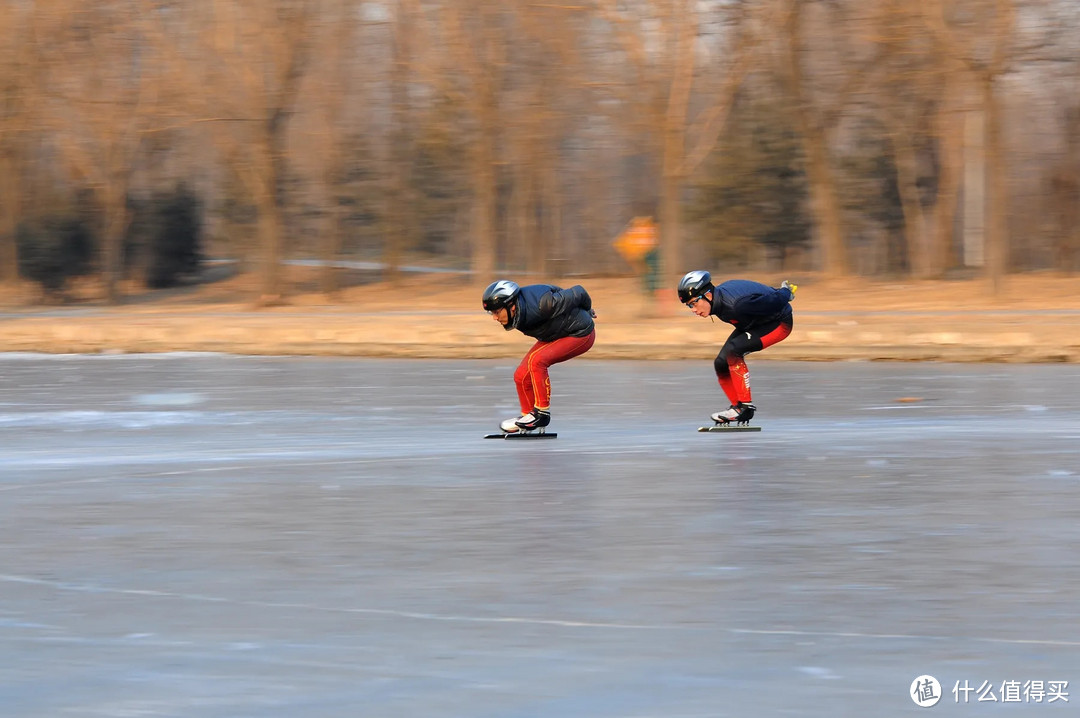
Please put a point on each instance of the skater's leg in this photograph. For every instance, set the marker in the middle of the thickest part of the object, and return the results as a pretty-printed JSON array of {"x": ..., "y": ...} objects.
[
  {"x": 722, "y": 366},
  {"x": 735, "y": 381},
  {"x": 740, "y": 379},
  {"x": 740, "y": 373},
  {"x": 734, "y": 374},
  {"x": 550, "y": 353},
  {"x": 723, "y": 376},
  {"x": 734, "y": 352},
  {"x": 523, "y": 380},
  {"x": 775, "y": 335}
]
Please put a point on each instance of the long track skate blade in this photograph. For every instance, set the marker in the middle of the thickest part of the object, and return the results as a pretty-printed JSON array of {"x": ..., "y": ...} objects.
[
  {"x": 725, "y": 429},
  {"x": 521, "y": 437}
]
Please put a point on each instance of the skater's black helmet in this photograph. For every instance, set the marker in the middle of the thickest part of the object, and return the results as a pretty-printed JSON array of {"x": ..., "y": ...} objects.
[
  {"x": 500, "y": 294},
  {"x": 695, "y": 284}
]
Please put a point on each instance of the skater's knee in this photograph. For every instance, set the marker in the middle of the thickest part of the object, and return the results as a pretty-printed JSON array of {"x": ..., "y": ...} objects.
[
  {"x": 721, "y": 364},
  {"x": 521, "y": 373},
  {"x": 727, "y": 355}
]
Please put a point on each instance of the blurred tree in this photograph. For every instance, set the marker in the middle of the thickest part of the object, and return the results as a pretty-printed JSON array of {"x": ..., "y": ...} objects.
[
  {"x": 360, "y": 192},
  {"x": 980, "y": 36},
  {"x": 55, "y": 248},
  {"x": 1063, "y": 185},
  {"x": 908, "y": 98},
  {"x": 439, "y": 176},
  {"x": 870, "y": 185},
  {"x": 169, "y": 225},
  {"x": 238, "y": 212},
  {"x": 662, "y": 43},
  {"x": 546, "y": 125},
  {"x": 399, "y": 225},
  {"x": 101, "y": 77},
  {"x": 253, "y": 59},
  {"x": 547, "y": 101},
  {"x": 922, "y": 100},
  {"x": 476, "y": 41},
  {"x": 338, "y": 79},
  {"x": 753, "y": 192},
  {"x": 19, "y": 84},
  {"x": 824, "y": 65}
]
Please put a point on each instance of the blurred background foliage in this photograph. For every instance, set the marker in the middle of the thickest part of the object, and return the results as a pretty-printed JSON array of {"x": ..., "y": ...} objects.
[{"x": 845, "y": 137}]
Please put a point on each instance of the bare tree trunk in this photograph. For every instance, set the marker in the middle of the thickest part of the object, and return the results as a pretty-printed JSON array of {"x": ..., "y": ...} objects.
[
  {"x": 398, "y": 200},
  {"x": 825, "y": 205},
  {"x": 674, "y": 142},
  {"x": 997, "y": 245},
  {"x": 950, "y": 139},
  {"x": 21, "y": 70},
  {"x": 114, "y": 199},
  {"x": 338, "y": 21},
  {"x": 394, "y": 226},
  {"x": 270, "y": 219},
  {"x": 974, "y": 252},
  {"x": 670, "y": 220},
  {"x": 516, "y": 220},
  {"x": 484, "y": 199},
  {"x": 915, "y": 236},
  {"x": 525, "y": 232},
  {"x": 10, "y": 201},
  {"x": 1063, "y": 205},
  {"x": 552, "y": 227},
  {"x": 329, "y": 279}
]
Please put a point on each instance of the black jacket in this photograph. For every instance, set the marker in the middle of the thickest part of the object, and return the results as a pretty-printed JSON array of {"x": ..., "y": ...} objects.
[
  {"x": 746, "y": 304},
  {"x": 546, "y": 312}
]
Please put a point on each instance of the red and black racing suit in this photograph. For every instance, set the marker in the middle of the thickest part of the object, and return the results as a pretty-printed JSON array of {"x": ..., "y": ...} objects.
[
  {"x": 561, "y": 322},
  {"x": 761, "y": 316}
]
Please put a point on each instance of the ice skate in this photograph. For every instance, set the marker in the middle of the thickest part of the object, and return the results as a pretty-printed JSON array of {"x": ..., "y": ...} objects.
[
  {"x": 735, "y": 414},
  {"x": 735, "y": 418},
  {"x": 528, "y": 426},
  {"x": 535, "y": 419}
]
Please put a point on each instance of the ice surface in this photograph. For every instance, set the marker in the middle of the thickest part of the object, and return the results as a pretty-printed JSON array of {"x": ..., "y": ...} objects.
[{"x": 204, "y": 535}]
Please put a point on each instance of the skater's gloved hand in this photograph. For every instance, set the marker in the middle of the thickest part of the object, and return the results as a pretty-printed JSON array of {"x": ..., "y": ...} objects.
[{"x": 790, "y": 287}]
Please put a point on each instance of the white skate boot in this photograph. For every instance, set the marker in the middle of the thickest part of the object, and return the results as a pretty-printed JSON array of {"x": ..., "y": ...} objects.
[
  {"x": 735, "y": 414},
  {"x": 510, "y": 425}
]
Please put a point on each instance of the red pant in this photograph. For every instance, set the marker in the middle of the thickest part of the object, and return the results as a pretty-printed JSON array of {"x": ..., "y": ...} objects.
[
  {"x": 730, "y": 364},
  {"x": 531, "y": 376}
]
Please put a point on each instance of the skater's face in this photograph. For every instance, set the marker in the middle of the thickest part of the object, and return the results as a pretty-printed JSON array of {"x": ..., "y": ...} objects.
[
  {"x": 502, "y": 316},
  {"x": 702, "y": 305}
]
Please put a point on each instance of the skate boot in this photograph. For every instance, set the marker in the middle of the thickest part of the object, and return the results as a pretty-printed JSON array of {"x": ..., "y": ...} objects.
[
  {"x": 510, "y": 425},
  {"x": 535, "y": 419},
  {"x": 735, "y": 414}
]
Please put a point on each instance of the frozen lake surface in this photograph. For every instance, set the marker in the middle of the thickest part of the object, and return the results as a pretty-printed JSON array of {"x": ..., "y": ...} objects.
[{"x": 221, "y": 537}]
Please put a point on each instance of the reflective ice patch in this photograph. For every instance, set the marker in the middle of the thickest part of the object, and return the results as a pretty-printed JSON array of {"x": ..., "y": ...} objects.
[
  {"x": 818, "y": 672},
  {"x": 104, "y": 420},
  {"x": 169, "y": 399}
]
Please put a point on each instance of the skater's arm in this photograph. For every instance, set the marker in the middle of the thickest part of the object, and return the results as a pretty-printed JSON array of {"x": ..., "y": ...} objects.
[{"x": 561, "y": 301}]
